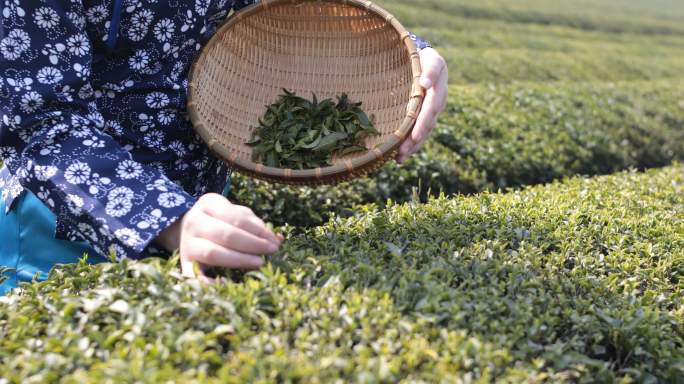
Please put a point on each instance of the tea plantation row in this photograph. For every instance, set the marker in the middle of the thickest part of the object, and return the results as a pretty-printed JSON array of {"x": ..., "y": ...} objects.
[
  {"x": 577, "y": 281},
  {"x": 503, "y": 66},
  {"x": 505, "y": 136},
  {"x": 492, "y": 50},
  {"x": 655, "y": 17}
]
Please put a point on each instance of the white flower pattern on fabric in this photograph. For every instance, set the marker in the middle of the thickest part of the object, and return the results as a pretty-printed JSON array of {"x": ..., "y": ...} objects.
[
  {"x": 49, "y": 75},
  {"x": 77, "y": 173},
  {"x": 129, "y": 236},
  {"x": 139, "y": 60},
  {"x": 201, "y": 7},
  {"x": 44, "y": 173},
  {"x": 97, "y": 14},
  {"x": 99, "y": 132},
  {"x": 129, "y": 169},
  {"x": 119, "y": 207},
  {"x": 31, "y": 101},
  {"x": 166, "y": 116},
  {"x": 46, "y": 18},
  {"x": 9, "y": 49},
  {"x": 170, "y": 199},
  {"x": 21, "y": 38},
  {"x": 75, "y": 201},
  {"x": 121, "y": 193},
  {"x": 78, "y": 45},
  {"x": 139, "y": 25},
  {"x": 164, "y": 29},
  {"x": 157, "y": 100}
]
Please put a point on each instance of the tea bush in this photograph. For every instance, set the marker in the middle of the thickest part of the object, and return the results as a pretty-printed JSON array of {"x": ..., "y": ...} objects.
[
  {"x": 658, "y": 17},
  {"x": 493, "y": 137},
  {"x": 579, "y": 281},
  {"x": 501, "y": 66},
  {"x": 499, "y": 50}
]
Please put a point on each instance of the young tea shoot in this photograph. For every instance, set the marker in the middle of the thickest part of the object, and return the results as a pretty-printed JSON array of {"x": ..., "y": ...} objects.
[{"x": 298, "y": 133}]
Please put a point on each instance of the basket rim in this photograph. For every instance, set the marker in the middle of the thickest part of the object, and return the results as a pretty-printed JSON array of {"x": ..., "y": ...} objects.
[{"x": 321, "y": 175}]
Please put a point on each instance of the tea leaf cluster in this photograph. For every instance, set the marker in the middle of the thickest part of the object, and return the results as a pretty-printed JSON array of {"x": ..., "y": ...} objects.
[{"x": 299, "y": 134}]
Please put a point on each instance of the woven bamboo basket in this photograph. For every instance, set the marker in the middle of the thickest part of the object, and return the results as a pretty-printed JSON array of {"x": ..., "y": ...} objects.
[{"x": 324, "y": 47}]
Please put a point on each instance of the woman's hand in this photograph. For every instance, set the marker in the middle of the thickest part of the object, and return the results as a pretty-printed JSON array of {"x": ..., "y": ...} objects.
[
  {"x": 434, "y": 80},
  {"x": 216, "y": 232}
]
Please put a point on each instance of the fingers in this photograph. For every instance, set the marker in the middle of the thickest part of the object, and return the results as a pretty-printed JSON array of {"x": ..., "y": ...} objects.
[
  {"x": 192, "y": 270},
  {"x": 433, "y": 105},
  {"x": 433, "y": 64},
  {"x": 427, "y": 113},
  {"x": 434, "y": 79},
  {"x": 218, "y": 233},
  {"x": 421, "y": 129},
  {"x": 404, "y": 150},
  {"x": 187, "y": 267},
  {"x": 210, "y": 253},
  {"x": 241, "y": 217},
  {"x": 443, "y": 91},
  {"x": 256, "y": 226},
  {"x": 233, "y": 237}
]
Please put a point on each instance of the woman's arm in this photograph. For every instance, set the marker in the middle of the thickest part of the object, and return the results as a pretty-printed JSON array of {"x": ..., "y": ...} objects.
[{"x": 52, "y": 138}]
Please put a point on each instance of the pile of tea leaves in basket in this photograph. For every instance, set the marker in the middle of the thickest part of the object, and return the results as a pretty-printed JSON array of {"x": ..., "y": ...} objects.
[{"x": 298, "y": 133}]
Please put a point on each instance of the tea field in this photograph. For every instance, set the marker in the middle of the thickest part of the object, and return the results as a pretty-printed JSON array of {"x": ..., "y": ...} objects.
[{"x": 538, "y": 237}]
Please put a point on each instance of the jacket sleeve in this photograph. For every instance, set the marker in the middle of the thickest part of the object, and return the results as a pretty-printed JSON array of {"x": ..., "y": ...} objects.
[
  {"x": 53, "y": 142},
  {"x": 419, "y": 41}
]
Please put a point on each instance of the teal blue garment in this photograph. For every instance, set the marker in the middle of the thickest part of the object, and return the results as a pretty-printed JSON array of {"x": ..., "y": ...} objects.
[
  {"x": 28, "y": 245},
  {"x": 227, "y": 187}
]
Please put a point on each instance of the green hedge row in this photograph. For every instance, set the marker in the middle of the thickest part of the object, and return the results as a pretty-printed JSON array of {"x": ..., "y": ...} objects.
[
  {"x": 658, "y": 17},
  {"x": 579, "y": 281},
  {"x": 500, "y": 137},
  {"x": 449, "y": 30},
  {"x": 492, "y": 50},
  {"x": 505, "y": 66}
]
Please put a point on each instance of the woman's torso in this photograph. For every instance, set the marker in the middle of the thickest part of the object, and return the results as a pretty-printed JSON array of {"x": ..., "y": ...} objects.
[{"x": 139, "y": 78}]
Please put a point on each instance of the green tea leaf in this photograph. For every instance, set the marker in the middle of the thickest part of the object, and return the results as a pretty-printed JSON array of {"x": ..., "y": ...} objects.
[
  {"x": 328, "y": 142},
  {"x": 298, "y": 133}
]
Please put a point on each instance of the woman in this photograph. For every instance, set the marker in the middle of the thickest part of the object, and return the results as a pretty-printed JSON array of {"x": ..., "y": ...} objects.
[{"x": 99, "y": 155}]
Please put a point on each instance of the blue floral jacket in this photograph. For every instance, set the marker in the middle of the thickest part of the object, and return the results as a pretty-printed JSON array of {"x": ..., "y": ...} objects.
[{"x": 92, "y": 100}]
